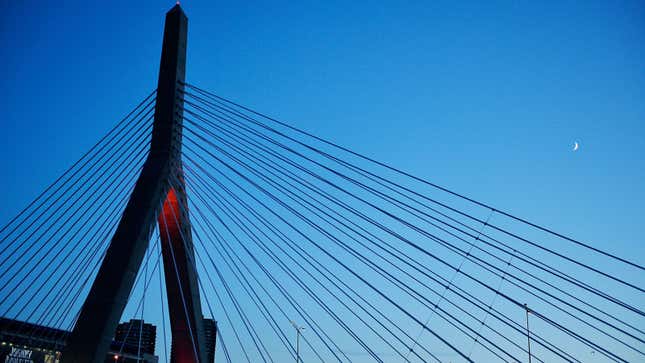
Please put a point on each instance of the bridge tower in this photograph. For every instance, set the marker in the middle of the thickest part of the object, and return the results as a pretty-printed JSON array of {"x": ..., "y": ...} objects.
[{"x": 152, "y": 200}]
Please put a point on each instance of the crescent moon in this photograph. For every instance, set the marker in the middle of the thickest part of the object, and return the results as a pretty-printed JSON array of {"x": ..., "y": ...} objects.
[{"x": 576, "y": 146}]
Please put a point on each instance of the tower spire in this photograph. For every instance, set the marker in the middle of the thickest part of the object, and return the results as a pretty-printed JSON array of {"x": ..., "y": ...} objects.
[{"x": 104, "y": 305}]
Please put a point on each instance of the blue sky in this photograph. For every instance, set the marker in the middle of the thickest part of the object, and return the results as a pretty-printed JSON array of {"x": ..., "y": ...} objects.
[{"x": 486, "y": 98}]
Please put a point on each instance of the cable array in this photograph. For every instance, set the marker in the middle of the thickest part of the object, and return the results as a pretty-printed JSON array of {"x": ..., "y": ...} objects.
[
  {"x": 51, "y": 251},
  {"x": 289, "y": 229},
  {"x": 380, "y": 265}
]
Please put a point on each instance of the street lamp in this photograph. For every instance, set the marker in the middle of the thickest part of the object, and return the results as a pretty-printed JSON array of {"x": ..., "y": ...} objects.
[
  {"x": 299, "y": 329},
  {"x": 528, "y": 331}
]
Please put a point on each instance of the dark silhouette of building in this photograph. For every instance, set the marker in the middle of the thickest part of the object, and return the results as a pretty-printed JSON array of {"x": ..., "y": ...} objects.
[
  {"x": 136, "y": 333},
  {"x": 21, "y": 341},
  {"x": 26, "y": 342},
  {"x": 210, "y": 335}
]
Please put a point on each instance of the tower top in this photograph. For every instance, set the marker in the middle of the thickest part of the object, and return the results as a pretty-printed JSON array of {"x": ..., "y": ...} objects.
[{"x": 176, "y": 8}]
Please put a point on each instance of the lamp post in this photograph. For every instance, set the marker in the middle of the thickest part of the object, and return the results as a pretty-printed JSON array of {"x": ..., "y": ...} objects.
[
  {"x": 299, "y": 329},
  {"x": 528, "y": 331}
]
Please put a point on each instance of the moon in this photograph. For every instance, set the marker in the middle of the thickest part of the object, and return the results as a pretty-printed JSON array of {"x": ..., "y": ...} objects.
[{"x": 576, "y": 146}]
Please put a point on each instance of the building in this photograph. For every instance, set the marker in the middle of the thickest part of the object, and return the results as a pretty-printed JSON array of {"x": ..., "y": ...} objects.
[
  {"x": 136, "y": 332},
  {"x": 26, "y": 342},
  {"x": 134, "y": 341},
  {"x": 210, "y": 334}
]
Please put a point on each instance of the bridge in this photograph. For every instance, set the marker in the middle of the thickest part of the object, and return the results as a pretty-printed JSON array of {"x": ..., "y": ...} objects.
[{"x": 229, "y": 214}]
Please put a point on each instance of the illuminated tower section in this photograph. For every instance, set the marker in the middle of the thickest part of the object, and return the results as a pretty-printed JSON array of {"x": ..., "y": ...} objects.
[{"x": 184, "y": 306}]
